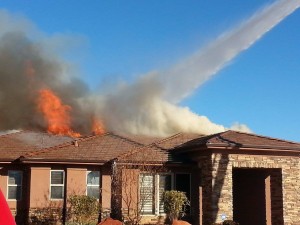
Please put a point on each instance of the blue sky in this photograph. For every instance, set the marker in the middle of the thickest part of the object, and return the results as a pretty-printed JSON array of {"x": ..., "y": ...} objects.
[{"x": 124, "y": 39}]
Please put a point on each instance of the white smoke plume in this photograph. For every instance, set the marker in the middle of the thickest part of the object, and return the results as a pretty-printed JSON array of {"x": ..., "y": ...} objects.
[
  {"x": 192, "y": 72},
  {"x": 149, "y": 106}
]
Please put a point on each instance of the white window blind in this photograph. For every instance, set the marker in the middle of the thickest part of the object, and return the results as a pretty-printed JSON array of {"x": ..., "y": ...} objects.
[
  {"x": 147, "y": 193},
  {"x": 152, "y": 188},
  {"x": 57, "y": 184}
]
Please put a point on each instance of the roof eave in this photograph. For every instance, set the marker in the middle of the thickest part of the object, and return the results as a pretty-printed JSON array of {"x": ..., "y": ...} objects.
[
  {"x": 7, "y": 160},
  {"x": 253, "y": 147},
  {"x": 239, "y": 149},
  {"x": 62, "y": 161}
]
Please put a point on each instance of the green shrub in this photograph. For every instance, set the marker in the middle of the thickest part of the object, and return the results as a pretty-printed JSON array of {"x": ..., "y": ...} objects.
[
  {"x": 175, "y": 203},
  {"x": 83, "y": 209}
]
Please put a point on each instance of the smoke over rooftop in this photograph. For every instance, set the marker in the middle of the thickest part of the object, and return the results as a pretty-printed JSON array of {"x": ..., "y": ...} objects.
[{"x": 147, "y": 106}]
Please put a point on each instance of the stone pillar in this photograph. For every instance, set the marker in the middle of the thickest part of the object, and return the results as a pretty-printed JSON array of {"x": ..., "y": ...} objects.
[
  {"x": 291, "y": 191},
  {"x": 222, "y": 198}
]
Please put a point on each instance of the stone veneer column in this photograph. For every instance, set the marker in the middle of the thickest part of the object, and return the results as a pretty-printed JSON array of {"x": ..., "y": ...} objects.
[
  {"x": 216, "y": 182},
  {"x": 291, "y": 191},
  {"x": 222, "y": 198}
]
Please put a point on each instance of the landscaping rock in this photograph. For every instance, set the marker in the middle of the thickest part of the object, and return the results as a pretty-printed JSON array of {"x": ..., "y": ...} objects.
[
  {"x": 110, "y": 221},
  {"x": 180, "y": 222}
]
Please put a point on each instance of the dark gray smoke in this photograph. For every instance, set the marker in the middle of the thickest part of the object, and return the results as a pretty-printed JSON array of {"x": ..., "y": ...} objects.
[{"x": 25, "y": 68}]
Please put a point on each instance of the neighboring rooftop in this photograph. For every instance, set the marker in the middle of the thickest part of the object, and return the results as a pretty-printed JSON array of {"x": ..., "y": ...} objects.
[{"x": 13, "y": 145}]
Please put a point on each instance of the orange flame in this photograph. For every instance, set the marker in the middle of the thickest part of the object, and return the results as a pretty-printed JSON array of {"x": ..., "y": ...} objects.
[
  {"x": 55, "y": 113},
  {"x": 97, "y": 127}
]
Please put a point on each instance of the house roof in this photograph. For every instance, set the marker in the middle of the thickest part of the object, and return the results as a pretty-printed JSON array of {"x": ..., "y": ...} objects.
[
  {"x": 13, "y": 145},
  {"x": 176, "y": 140},
  {"x": 44, "y": 147},
  {"x": 235, "y": 139},
  {"x": 99, "y": 148},
  {"x": 148, "y": 154},
  {"x": 141, "y": 139},
  {"x": 159, "y": 150},
  {"x": 103, "y": 148}
]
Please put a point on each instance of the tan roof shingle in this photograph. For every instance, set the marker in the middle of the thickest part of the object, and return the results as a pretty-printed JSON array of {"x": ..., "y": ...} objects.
[
  {"x": 14, "y": 145},
  {"x": 95, "y": 148}
]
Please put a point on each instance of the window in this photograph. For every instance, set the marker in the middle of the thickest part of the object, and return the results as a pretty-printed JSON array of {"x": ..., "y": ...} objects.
[
  {"x": 93, "y": 184},
  {"x": 152, "y": 188},
  {"x": 14, "y": 190},
  {"x": 147, "y": 193},
  {"x": 57, "y": 184}
]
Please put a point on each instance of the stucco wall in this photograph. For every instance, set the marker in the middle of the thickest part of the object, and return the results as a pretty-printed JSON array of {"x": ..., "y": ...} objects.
[
  {"x": 130, "y": 182},
  {"x": 39, "y": 187},
  {"x": 106, "y": 191},
  {"x": 3, "y": 184},
  {"x": 218, "y": 190},
  {"x": 76, "y": 181}
]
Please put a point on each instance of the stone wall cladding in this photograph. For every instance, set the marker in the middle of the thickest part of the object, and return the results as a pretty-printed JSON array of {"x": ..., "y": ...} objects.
[
  {"x": 222, "y": 186},
  {"x": 222, "y": 166},
  {"x": 216, "y": 182},
  {"x": 49, "y": 216}
]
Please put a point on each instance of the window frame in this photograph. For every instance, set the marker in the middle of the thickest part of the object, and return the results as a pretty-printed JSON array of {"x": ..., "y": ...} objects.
[
  {"x": 57, "y": 185},
  {"x": 93, "y": 185},
  {"x": 14, "y": 185},
  {"x": 155, "y": 191}
]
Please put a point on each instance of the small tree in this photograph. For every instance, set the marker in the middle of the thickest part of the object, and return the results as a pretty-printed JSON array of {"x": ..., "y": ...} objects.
[
  {"x": 83, "y": 209},
  {"x": 175, "y": 203},
  {"x": 132, "y": 198}
]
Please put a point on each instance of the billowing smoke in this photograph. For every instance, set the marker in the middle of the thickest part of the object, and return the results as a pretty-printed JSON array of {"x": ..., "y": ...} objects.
[
  {"x": 26, "y": 68},
  {"x": 148, "y": 106}
]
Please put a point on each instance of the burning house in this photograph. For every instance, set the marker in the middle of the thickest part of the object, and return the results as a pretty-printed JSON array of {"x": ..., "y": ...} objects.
[
  {"x": 232, "y": 175},
  {"x": 52, "y": 155}
]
